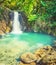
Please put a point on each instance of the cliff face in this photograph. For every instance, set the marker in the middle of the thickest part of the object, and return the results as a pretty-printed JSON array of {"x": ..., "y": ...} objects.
[{"x": 5, "y": 24}]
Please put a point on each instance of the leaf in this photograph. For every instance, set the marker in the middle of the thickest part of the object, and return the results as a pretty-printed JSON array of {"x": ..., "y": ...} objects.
[
  {"x": 43, "y": 3},
  {"x": 32, "y": 17},
  {"x": 30, "y": 8}
]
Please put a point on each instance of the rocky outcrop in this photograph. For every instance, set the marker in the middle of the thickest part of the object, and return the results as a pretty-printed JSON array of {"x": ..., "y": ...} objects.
[
  {"x": 43, "y": 56},
  {"x": 4, "y": 28},
  {"x": 28, "y": 57}
]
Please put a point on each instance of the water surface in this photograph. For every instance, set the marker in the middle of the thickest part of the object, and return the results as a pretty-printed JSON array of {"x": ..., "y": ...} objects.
[{"x": 33, "y": 40}]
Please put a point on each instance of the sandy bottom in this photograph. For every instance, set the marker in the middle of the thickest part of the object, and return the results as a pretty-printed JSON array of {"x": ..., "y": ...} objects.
[{"x": 11, "y": 51}]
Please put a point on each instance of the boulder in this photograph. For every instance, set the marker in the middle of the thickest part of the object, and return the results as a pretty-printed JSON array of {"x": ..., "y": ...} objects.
[
  {"x": 42, "y": 52},
  {"x": 28, "y": 57},
  {"x": 32, "y": 63},
  {"x": 7, "y": 29}
]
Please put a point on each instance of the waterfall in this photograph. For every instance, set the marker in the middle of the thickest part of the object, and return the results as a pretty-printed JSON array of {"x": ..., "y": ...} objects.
[{"x": 16, "y": 24}]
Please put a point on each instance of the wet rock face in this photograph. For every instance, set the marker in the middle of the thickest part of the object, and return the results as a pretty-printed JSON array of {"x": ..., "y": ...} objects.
[
  {"x": 4, "y": 28},
  {"x": 11, "y": 15}
]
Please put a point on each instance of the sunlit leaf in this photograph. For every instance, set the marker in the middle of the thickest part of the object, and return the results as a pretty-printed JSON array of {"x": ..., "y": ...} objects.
[
  {"x": 43, "y": 3},
  {"x": 32, "y": 17}
]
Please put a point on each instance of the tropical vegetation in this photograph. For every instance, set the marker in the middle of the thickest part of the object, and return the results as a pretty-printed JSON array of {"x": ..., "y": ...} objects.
[{"x": 41, "y": 14}]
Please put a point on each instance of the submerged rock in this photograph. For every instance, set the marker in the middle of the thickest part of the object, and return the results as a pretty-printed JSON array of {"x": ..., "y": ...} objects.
[{"x": 0, "y": 36}]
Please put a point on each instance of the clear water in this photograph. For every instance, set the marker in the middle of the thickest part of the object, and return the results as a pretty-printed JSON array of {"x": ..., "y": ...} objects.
[{"x": 33, "y": 40}]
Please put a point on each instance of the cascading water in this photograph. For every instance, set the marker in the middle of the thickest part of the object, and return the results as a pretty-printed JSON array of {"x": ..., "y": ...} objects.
[{"x": 16, "y": 24}]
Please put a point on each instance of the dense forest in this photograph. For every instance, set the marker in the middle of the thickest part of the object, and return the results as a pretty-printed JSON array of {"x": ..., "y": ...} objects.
[{"x": 40, "y": 15}]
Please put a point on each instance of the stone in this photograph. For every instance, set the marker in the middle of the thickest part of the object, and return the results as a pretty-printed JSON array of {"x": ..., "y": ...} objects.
[
  {"x": 43, "y": 50},
  {"x": 3, "y": 24},
  {"x": 0, "y": 36},
  {"x": 45, "y": 56},
  {"x": 50, "y": 58},
  {"x": 7, "y": 29},
  {"x": 42, "y": 53},
  {"x": 4, "y": 27},
  {"x": 1, "y": 32},
  {"x": 28, "y": 57},
  {"x": 32, "y": 63}
]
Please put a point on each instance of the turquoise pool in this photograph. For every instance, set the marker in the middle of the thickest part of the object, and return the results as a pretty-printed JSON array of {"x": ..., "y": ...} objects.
[{"x": 32, "y": 39}]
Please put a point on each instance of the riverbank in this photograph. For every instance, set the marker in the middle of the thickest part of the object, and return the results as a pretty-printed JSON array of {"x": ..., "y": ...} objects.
[{"x": 42, "y": 56}]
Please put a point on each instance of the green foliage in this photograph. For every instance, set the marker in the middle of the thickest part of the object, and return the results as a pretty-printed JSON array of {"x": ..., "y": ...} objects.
[
  {"x": 34, "y": 9},
  {"x": 41, "y": 14},
  {"x": 32, "y": 17}
]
